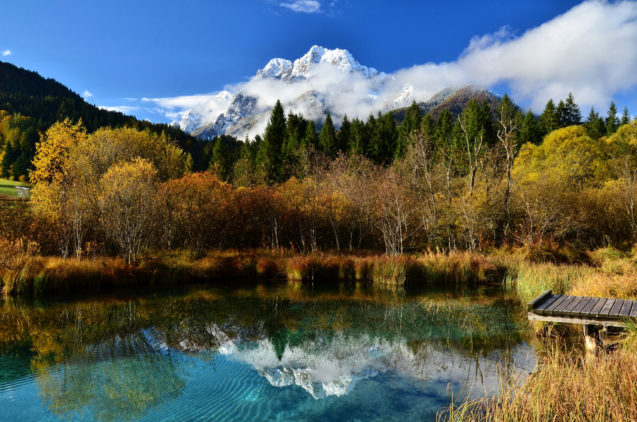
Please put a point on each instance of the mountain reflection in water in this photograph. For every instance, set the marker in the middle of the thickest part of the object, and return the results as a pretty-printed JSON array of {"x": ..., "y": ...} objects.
[{"x": 274, "y": 353}]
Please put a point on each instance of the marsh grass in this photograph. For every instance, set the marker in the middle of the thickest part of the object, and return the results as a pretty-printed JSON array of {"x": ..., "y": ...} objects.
[
  {"x": 614, "y": 273},
  {"x": 564, "y": 388}
]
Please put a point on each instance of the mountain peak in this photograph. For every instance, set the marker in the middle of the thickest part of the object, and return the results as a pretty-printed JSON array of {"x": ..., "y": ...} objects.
[{"x": 302, "y": 67}]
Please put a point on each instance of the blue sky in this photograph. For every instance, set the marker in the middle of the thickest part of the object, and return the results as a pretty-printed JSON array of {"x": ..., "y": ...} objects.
[{"x": 131, "y": 49}]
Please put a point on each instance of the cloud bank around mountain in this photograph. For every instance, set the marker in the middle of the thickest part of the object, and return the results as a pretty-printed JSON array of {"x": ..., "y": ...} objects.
[{"x": 589, "y": 51}]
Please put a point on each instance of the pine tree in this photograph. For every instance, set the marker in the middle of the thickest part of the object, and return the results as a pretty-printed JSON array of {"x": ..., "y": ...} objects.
[
  {"x": 7, "y": 161},
  {"x": 410, "y": 123},
  {"x": 548, "y": 119},
  {"x": 529, "y": 129},
  {"x": 358, "y": 142},
  {"x": 595, "y": 125},
  {"x": 612, "y": 122},
  {"x": 428, "y": 126},
  {"x": 344, "y": 134},
  {"x": 625, "y": 117},
  {"x": 572, "y": 115},
  {"x": 310, "y": 139},
  {"x": 296, "y": 126},
  {"x": 384, "y": 139},
  {"x": 270, "y": 152},
  {"x": 327, "y": 137}
]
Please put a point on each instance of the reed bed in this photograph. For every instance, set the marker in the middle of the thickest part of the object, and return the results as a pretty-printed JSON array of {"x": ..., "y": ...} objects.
[
  {"x": 613, "y": 275},
  {"x": 564, "y": 388}
]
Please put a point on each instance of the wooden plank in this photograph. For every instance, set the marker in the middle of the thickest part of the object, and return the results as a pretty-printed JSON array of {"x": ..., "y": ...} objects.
[
  {"x": 633, "y": 311},
  {"x": 614, "y": 312},
  {"x": 551, "y": 309},
  {"x": 572, "y": 320},
  {"x": 589, "y": 307},
  {"x": 598, "y": 307},
  {"x": 624, "y": 312},
  {"x": 578, "y": 309},
  {"x": 548, "y": 302},
  {"x": 606, "y": 309},
  {"x": 574, "y": 304},
  {"x": 560, "y": 309},
  {"x": 538, "y": 300}
]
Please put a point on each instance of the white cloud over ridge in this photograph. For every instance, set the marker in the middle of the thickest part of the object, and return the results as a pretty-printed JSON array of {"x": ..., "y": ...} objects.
[
  {"x": 87, "y": 93},
  {"x": 303, "y": 6},
  {"x": 589, "y": 51},
  {"x": 6, "y": 53}
]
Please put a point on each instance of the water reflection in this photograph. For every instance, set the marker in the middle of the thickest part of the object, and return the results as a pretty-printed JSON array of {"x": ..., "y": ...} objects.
[{"x": 273, "y": 352}]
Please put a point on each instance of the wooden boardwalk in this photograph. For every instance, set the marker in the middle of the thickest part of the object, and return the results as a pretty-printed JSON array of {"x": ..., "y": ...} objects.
[{"x": 582, "y": 310}]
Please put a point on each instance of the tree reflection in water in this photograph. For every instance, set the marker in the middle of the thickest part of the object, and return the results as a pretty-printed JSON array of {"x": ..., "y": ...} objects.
[{"x": 117, "y": 359}]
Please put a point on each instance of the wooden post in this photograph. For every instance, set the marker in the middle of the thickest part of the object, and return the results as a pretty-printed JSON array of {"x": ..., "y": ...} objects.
[{"x": 592, "y": 340}]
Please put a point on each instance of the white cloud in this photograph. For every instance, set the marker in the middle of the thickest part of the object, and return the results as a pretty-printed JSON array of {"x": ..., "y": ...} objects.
[
  {"x": 6, "y": 53},
  {"x": 303, "y": 6},
  {"x": 589, "y": 51},
  {"x": 87, "y": 94},
  {"x": 122, "y": 109}
]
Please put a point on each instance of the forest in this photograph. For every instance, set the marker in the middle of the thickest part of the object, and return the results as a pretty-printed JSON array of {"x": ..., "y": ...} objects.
[{"x": 486, "y": 178}]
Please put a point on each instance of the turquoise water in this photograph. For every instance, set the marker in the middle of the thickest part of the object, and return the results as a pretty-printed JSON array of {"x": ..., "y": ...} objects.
[{"x": 259, "y": 353}]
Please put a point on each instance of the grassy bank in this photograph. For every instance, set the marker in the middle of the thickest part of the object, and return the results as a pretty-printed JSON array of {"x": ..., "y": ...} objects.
[
  {"x": 27, "y": 275},
  {"x": 570, "y": 387},
  {"x": 610, "y": 274},
  {"x": 7, "y": 187},
  {"x": 565, "y": 388}
]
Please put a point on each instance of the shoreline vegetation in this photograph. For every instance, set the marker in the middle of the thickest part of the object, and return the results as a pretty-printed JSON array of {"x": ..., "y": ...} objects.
[{"x": 607, "y": 273}]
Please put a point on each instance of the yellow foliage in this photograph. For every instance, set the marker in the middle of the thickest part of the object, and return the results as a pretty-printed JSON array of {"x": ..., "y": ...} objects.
[
  {"x": 568, "y": 154},
  {"x": 51, "y": 157}
]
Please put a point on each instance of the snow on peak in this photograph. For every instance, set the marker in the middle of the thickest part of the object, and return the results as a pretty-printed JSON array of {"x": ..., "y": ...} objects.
[
  {"x": 276, "y": 68},
  {"x": 302, "y": 67}
]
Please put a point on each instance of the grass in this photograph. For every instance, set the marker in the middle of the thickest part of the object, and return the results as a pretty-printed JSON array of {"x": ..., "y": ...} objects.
[
  {"x": 7, "y": 187},
  {"x": 36, "y": 275},
  {"x": 568, "y": 387},
  {"x": 565, "y": 388}
]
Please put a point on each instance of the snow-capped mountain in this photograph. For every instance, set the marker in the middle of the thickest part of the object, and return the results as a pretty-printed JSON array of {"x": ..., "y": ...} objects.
[
  {"x": 321, "y": 81},
  {"x": 303, "y": 67}
]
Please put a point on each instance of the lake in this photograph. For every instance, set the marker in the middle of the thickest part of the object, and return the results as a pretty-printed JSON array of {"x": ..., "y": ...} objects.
[{"x": 251, "y": 353}]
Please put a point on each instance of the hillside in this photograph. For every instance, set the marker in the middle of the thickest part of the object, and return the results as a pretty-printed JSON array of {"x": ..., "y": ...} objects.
[
  {"x": 32, "y": 103},
  {"x": 454, "y": 100}
]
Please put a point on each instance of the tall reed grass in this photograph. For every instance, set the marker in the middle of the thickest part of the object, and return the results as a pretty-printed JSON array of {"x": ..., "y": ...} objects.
[{"x": 564, "y": 388}]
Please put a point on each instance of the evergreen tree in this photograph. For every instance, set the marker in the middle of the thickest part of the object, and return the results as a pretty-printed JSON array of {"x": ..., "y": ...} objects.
[
  {"x": 560, "y": 111},
  {"x": 270, "y": 150},
  {"x": 529, "y": 129},
  {"x": 344, "y": 134},
  {"x": 225, "y": 152},
  {"x": 310, "y": 139},
  {"x": 243, "y": 173},
  {"x": 384, "y": 139},
  {"x": 327, "y": 137},
  {"x": 7, "y": 161},
  {"x": 485, "y": 118},
  {"x": 548, "y": 119},
  {"x": 572, "y": 115},
  {"x": 410, "y": 123},
  {"x": 612, "y": 122},
  {"x": 625, "y": 117},
  {"x": 428, "y": 126},
  {"x": 444, "y": 126},
  {"x": 296, "y": 127},
  {"x": 359, "y": 138},
  {"x": 595, "y": 125}
]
